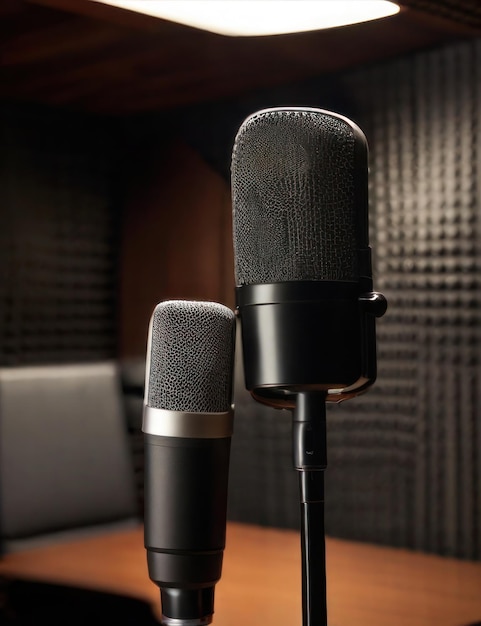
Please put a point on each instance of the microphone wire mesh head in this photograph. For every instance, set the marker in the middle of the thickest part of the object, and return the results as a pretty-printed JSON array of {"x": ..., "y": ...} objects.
[
  {"x": 295, "y": 197},
  {"x": 191, "y": 357}
]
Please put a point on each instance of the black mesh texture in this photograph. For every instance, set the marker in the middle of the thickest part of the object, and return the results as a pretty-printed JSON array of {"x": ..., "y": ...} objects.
[
  {"x": 191, "y": 357},
  {"x": 58, "y": 238},
  {"x": 293, "y": 198}
]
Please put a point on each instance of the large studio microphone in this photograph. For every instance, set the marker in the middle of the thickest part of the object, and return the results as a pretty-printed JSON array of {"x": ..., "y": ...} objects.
[
  {"x": 302, "y": 257},
  {"x": 304, "y": 290},
  {"x": 187, "y": 425}
]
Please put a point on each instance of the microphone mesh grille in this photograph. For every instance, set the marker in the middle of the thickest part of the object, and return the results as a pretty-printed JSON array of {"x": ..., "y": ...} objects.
[
  {"x": 191, "y": 357},
  {"x": 293, "y": 198}
]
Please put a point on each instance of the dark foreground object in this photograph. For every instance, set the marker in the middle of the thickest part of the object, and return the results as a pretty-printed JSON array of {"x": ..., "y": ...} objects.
[{"x": 26, "y": 603}]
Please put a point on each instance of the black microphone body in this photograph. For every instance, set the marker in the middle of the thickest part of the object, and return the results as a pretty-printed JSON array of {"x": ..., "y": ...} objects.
[
  {"x": 304, "y": 290},
  {"x": 303, "y": 261},
  {"x": 187, "y": 428}
]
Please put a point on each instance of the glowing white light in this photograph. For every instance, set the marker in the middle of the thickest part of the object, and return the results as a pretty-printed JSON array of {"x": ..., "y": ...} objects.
[{"x": 261, "y": 17}]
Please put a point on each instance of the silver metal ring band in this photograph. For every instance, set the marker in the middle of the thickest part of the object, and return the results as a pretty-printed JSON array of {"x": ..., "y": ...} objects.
[
  {"x": 189, "y": 425},
  {"x": 174, "y": 621}
]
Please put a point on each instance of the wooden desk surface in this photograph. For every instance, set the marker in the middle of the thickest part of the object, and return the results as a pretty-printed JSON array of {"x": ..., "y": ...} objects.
[{"x": 367, "y": 585}]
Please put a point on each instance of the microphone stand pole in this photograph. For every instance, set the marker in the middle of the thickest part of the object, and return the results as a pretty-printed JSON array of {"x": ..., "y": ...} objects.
[{"x": 310, "y": 459}]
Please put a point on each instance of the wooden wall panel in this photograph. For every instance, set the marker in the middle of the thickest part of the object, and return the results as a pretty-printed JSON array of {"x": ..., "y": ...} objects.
[{"x": 177, "y": 241}]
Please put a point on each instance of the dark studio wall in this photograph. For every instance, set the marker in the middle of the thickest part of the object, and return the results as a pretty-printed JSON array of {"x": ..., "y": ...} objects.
[
  {"x": 176, "y": 214},
  {"x": 102, "y": 218},
  {"x": 405, "y": 459},
  {"x": 59, "y": 237},
  {"x": 422, "y": 422}
]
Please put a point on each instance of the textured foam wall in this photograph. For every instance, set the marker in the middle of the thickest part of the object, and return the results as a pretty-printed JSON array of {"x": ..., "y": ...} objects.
[
  {"x": 412, "y": 446},
  {"x": 405, "y": 459},
  {"x": 58, "y": 241}
]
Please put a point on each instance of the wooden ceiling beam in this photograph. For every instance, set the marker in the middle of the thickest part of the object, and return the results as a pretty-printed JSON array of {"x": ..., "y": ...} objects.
[{"x": 99, "y": 58}]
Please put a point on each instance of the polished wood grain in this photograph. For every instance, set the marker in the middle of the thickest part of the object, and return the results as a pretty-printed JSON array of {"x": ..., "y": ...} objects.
[
  {"x": 177, "y": 239},
  {"x": 367, "y": 585}
]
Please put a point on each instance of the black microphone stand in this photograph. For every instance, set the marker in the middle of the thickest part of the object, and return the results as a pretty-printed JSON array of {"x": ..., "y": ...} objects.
[{"x": 310, "y": 459}]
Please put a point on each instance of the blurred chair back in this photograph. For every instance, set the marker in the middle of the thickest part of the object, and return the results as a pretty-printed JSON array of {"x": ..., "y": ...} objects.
[{"x": 65, "y": 463}]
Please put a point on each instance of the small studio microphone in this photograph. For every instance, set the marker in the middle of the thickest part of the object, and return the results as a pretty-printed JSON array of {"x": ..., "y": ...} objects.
[
  {"x": 302, "y": 257},
  {"x": 187, "y": 425}
]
